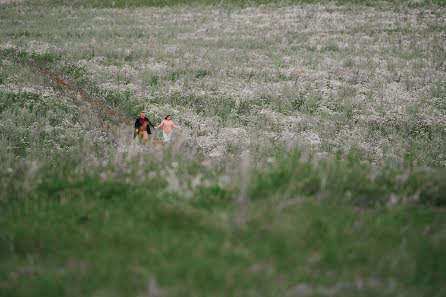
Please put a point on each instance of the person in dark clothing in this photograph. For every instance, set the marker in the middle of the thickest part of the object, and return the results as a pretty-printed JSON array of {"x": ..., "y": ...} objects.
[{"x": 142, "y": 128}]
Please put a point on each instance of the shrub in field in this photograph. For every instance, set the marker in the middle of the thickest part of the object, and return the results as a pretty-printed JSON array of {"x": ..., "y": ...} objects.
[
  {"x": 349, "y": 182},
  {"x": 426, "y": 186}
]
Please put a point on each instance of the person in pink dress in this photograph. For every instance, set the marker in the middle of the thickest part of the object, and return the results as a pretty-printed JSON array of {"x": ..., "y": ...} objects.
[{"x": 167, "y": 125}]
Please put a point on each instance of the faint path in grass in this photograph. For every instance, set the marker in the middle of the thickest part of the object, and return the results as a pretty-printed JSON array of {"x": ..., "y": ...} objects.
[
  {"x": 113, "y": 115},
  {"x": 126, "y": 140},
  {"x": 95, "y": 103},
  {"x": 123, "y": 131},
  {"x": 121, "y": 128}
]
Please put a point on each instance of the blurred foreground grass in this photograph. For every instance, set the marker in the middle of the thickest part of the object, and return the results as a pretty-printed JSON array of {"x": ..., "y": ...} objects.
[{"x": 302, "y": 228}]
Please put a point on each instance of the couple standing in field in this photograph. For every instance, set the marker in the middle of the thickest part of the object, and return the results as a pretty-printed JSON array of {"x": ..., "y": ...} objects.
[{"x": 142, "y": 128}]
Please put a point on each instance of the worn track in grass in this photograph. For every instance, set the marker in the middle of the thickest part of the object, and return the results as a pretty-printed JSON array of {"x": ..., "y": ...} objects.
[
  {"x": 120, "y": 128},
  {"x": 96, "y": 104},
  {"x": 113, "y": 115}
]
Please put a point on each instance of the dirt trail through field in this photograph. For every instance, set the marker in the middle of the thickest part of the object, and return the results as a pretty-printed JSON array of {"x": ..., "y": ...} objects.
[
  {"x": 127, "y": 142},
  {"x": 122, "y": 128},
  {"x": 62, "y": 83},
  {"x": 119, "y": 126}
]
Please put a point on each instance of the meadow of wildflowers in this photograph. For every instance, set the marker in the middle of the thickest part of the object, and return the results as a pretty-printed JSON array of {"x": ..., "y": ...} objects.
[
  {"x": 311, "y": 161},
  {"x": 360, "y": 77}
]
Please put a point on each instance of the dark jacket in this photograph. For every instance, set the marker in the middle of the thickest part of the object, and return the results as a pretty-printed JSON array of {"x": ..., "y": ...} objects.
[{"x": 138, "y": 124}]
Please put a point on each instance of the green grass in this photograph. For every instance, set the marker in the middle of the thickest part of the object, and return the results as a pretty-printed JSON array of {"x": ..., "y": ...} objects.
[
  {"x": 240, "y": 3},
  {"x": 340, "y": 110},
  {"x": 80, "y": 234}
]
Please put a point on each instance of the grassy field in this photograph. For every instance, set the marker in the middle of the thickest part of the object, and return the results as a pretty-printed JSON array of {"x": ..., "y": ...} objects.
[{"x": 311, "y": 161}]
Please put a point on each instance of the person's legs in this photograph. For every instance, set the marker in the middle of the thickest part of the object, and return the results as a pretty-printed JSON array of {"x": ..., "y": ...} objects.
[
  {"x": 140, "y": 136},
  {"x": 145, "y": 137},
  {"x": 169, "y": 136},
  {"x": 151, "y": 136},
  {"x": 166, "y": 136}
]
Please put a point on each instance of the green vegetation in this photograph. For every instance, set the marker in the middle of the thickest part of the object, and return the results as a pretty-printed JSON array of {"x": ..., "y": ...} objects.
[
  {"x": 311, "y": 161},
  {"x": 317, "y": 225},
  {"x": 236, "y": 3}
]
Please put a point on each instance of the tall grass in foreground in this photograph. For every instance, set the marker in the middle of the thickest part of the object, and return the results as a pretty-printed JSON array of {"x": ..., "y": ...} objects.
[{"x": 152, "y": 222}]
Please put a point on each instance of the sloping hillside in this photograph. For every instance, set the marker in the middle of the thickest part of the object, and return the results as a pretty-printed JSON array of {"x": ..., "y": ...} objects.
[{"x": 311, "y": 161}]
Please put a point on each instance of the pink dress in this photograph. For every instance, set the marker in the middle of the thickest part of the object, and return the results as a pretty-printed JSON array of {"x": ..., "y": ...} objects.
[{"x": 167, "y": 125}]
